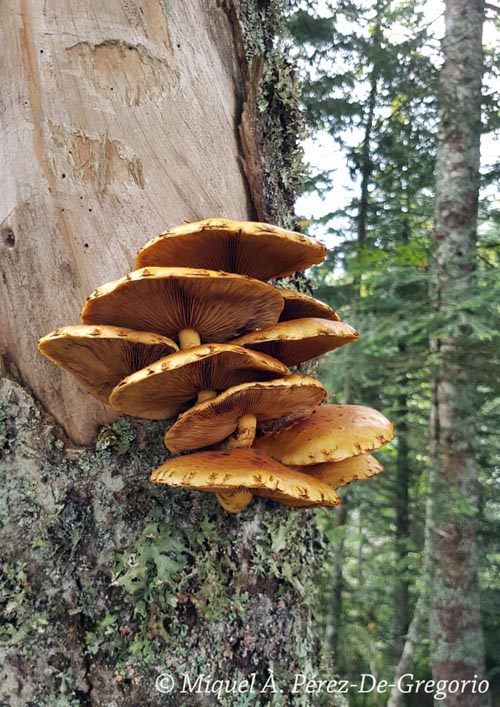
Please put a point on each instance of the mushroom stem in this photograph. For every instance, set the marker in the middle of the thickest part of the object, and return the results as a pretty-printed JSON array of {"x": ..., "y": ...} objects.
[
  {"x": 245, "y": 433},
  {"x": 234, "y": 501},
  {"x": 206, "y": 395},
  {"x": 188, "y": 338}
]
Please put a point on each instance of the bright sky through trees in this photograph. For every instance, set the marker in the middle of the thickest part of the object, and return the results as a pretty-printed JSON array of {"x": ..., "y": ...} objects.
[{"x": 323, "y": 154}]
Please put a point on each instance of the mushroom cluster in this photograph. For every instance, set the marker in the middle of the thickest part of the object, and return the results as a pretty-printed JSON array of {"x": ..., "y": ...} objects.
[{"x": 198, "y": 332}]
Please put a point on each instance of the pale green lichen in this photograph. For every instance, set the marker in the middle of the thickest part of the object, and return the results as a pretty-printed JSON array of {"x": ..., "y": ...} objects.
[{"x": 134, "y": 579}]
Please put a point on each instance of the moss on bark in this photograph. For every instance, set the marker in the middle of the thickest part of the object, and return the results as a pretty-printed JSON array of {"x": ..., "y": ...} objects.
[{"x": 109, "y": 581}]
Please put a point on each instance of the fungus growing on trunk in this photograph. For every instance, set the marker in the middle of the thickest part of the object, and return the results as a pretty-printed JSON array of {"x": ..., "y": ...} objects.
[
  {"x": 299, "y": 340},
  {"x": 163, "y": 388},
  {"x": 259, "y": 250},
  {"x": 238, "y": 474},
  {"x": 338, "y": 474},
  {"x": 332, "y": 433},
  {"x": 243, "y": 408},
  {"x": 185, "y": 304},
  {"x": 100, "y": 356},
  {"x": 299, "y": 306},
  {"x": 193, "y": 286}
]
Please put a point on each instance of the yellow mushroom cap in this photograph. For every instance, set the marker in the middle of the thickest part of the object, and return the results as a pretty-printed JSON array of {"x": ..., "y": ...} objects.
[
  {"x": 100, "y": 356},
  {"x": 259, "y": 250},
  {"x": 245, "y": 469},
  {"x": 161, "y": 390},
  {"x": 299, "y": 340},
  {"x": 298, "y": 305},
  {"x": 338, "y": 474},
  {"x": 275, "y": 404},
  {"x": 331, "y": 433},
  {"x": 219, "y": 306}
]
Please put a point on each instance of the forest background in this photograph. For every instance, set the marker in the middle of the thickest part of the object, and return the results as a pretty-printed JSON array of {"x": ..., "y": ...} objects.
[{"x": 371, "y": 73}]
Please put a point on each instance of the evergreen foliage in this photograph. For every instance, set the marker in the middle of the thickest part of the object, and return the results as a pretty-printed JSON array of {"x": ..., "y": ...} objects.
[{"x": 371, "y": 72}]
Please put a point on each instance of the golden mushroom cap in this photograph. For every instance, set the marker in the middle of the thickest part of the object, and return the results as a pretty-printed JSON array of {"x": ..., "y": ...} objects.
[
  {"x": 338, "y": 474},
  {"x": 162, "y": 389},
  {"x": 274, "y": 403},
  {"x": 219, "y": 306},
  {"x": 331, "y": 433},
  {"x": 299, "y": 340},
  {"x": 259, "y": 250},
  {"x": 298, "y": 306},
  {"x": 250, "y": 469},
  {"x": 100, "y": 356}
]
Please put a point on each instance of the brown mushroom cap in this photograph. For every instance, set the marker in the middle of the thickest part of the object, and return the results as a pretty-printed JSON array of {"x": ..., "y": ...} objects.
[
  {"x": 299, "y": 306},
  {"x": 299, "y": 339},
  {"x": 161, "y": 390},
  {"x": 331, "y": 433},
  {"x": 259, "y": 250},
  {"x": 274, "y": 403},
  {"x": 219, "y": 306},
  {"x": 100, "y": 356},
  {"x": 338, "y": 474},
  {"x": 237, "y": 469}
]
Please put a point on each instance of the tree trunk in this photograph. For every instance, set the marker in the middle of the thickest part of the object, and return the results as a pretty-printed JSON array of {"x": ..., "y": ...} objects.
[
  {"x": 397, "y": 697},
  {"x": 402, "y": 536},
  {"x": 457, "y": 651},
  {"x": 118, "y": 120},
  {"x": 334, "y": 615}
]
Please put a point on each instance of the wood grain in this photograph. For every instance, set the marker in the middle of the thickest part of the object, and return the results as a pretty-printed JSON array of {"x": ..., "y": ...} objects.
[{"x": 117, "y": 120}]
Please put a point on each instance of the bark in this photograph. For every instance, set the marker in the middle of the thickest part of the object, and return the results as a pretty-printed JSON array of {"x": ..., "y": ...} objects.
[
  {"x": 401, "y": 499},
  {"x": 456, "y": 637},
  {"x": 118, "y": 120},
  {"x": 402, "y": 536},
  {"x": 334, "y": 617},
  {"x": 420, "y": 615}
]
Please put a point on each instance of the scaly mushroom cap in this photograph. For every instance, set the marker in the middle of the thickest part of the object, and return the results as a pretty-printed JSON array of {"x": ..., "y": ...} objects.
[
  {"x": 275, "y": 404},
  {"x": 299, "y": 339},
  {"x": 338, "y": 474},
  {"x": 331, "y": 433},
  {"x": 219, "y": 306},
  {"x": 255, "y": 249},
  {"x": 100, "y": 356},
  {"x": 245, "y": 469},
  {"x": 299, "y": 306},
  {"x": 161, "y": 390}
]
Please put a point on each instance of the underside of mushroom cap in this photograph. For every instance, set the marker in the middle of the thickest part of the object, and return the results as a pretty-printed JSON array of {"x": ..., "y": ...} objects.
[
  {"x": 274, "y": 403},
  {"x": 163, "y": 389},
  {"x": 338, "y": 474},
  {"x": 259, "y": 250},
  {"x": 298, "y": 306},
  {"x": 299, "y": 340},
  {"x": 226, "y": 471},
  {"x": 219, "y": 306},
  {"x": 100, "y": 356},
  {"x": 331, "y": 433}
]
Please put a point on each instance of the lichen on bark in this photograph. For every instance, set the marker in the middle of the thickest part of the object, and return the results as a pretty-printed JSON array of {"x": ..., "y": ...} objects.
[
  {"x": 109, "y": 581},
  {"x": 457, "y": 650},
  {"x": 271, "y": 122}
]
